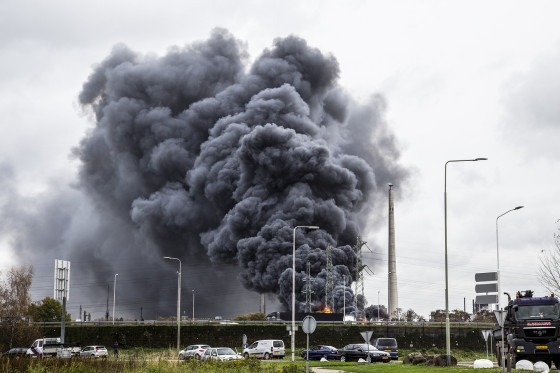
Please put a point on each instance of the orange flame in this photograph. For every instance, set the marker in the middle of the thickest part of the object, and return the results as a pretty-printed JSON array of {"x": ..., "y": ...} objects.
[{"x": 326, "y": 309}]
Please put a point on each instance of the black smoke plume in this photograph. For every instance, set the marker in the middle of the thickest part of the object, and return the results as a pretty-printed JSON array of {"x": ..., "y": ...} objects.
[{"x": 213, "y": 161}]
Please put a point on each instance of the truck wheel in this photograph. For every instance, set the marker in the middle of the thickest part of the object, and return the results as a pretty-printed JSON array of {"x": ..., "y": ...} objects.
[{"x": 266, "y": 356}]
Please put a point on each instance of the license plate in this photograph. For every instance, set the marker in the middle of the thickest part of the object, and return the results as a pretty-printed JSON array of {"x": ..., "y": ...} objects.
[
  {"x": 387, "y": 350},
  {"x": 385, "y": 357},
  {"x": 542, "y": 347},
  {"x": 276, "y": 352}
]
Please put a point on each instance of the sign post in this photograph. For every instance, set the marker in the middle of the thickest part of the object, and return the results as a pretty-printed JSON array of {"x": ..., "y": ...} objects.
[
  {"x": 485, "y": 335},
  {"x": 500, "y": 316},
  {"x": 367, "y": 336},
  {"x": 489, "y": 285},
  {"x": 309, "y": 325}
]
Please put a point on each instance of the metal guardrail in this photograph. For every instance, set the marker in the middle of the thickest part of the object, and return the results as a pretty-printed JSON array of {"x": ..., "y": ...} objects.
[{"x": 186, "y": 323}]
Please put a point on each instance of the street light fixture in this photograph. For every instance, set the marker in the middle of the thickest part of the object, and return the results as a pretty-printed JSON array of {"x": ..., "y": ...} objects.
[
  {"x": 498, "y": 251},
  {"x": 114, "y": 295},
  {"x": 178, "y": 303},
  {"x": 294, "y": 288},
  {"x": 498, "y": 273},
  {"x": 447, "y": 333}
]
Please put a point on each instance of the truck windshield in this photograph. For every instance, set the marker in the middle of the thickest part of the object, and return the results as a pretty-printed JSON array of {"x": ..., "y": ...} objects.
[{"x": 542, "y": 311}]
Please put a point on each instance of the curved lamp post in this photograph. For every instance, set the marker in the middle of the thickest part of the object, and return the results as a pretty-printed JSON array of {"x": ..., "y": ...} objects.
[
  {"x": 294, "y": 287},
  {"x": 498, "y": 251},
  {"x": 447, "y": 333},
  {"x": 498, "y": 272},
  {"x": 178, "y": 303}
]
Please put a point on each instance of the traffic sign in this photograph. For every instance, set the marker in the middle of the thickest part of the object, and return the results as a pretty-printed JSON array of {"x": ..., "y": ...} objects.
[
  {"x": 500, "y": 316},
  {"x": 309, "y": 324},
  {"x": 487, "y": 299},
  {"x": 486, "y": 334},
  {"x": 491, "y": 287},
  {"x": 367, "y": 335},
  {"x": 486, "y": 276}
]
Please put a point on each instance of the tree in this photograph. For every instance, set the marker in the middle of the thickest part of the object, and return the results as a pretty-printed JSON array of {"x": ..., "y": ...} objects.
[
  {"x": 410, "y": 315},
  {"x": 47, "y": 310},
  {"x": 454, "y": 316},
  {"x": 485, "y": 316},
  {"x": 14, "y": 293},
  {"x": 14, "y": 303},
  {"x": 251, "y": 317},
  {"x": 550, "y": 265}
]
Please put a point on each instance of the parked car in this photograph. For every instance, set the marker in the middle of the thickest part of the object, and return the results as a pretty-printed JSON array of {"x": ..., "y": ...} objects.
[
  {"x": 354, "y": 352},
  {"x": 388, "y": 345},
  {"x": 220, "y": 354},
  {"x": 94, "y": 352},
  {"x": 266, "y": 349},
  {"x": 193, "y": 351},
  {"x": 15, "y": 352},
  {"x": 320, "y": 351}
]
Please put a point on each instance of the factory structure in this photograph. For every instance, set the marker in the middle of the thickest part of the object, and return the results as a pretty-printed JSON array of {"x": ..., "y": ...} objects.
[{"x": 393, "y": 300}]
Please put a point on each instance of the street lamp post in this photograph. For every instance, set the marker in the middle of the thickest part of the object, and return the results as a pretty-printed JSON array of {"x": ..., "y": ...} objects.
[
  {"x": 344, "y": 299},
  {"x": 294, "y": 288},
  {"x": 499, "y": 288},
  {"x": 447, "y": 332},
  {"x": 498, "y": 251},
  {"x": 178, "y": 303},
  {"x": 378, "y": 307},
  {"x": 114, "y": 295},
  {"x": 193, "y": 306}
]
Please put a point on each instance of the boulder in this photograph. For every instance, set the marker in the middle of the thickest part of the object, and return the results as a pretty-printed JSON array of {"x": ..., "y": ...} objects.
[
  {"x": 541, "y": 366},
  {"x": 483, "y": 364},
  {"x": 414, "y": 358},
  {"x": 524, "y": 365}
]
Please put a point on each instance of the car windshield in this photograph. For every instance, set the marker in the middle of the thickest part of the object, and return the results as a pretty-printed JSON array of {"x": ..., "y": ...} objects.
[
  {"x": 387, "y": 342},
  {"x": 225, "y": 351},
  {"x": 541, "y": 311},
  {"x": 365, "y": 347}
]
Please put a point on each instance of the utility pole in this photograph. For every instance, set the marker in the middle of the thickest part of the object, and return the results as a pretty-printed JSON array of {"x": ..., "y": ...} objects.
[
  {"x": 308, "y": 291},
  {"x": 359, "y": 284}
]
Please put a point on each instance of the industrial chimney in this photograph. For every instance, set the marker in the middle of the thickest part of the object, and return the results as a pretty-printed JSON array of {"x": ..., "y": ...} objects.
[{"x": 393, "y": 296}]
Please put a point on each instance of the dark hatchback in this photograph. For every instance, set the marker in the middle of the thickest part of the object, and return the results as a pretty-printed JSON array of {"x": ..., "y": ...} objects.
[
  {"x": 15, "y": 352},
  {"x": 388, "y": 345},
  {"x": 320, "y": 351},
  {"x": 355, "y": 352}
]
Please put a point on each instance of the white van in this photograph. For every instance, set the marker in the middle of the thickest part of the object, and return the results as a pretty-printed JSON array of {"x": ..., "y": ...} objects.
[
  {"x": 45, "y": 346},
  {"x": 268, "y": 348}
]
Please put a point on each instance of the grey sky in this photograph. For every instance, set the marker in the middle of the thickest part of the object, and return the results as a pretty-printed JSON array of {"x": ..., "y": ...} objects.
[{"x": 461, "y": 80}]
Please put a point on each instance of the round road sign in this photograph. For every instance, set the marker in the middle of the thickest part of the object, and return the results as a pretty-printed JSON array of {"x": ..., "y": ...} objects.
[{"x": 309, "y": 324}]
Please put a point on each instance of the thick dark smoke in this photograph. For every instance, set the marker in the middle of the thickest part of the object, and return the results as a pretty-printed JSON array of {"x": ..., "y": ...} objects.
[{"x": 205, "y": 158}]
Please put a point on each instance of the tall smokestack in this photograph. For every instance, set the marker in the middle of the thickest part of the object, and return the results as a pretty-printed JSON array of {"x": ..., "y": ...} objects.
[
  {"x": 263, "y": 309},
  {"x": 393, "y": 296}
]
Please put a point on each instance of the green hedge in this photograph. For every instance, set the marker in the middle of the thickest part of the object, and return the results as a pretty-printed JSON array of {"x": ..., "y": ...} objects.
[{"x": 165, "y": 336}]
